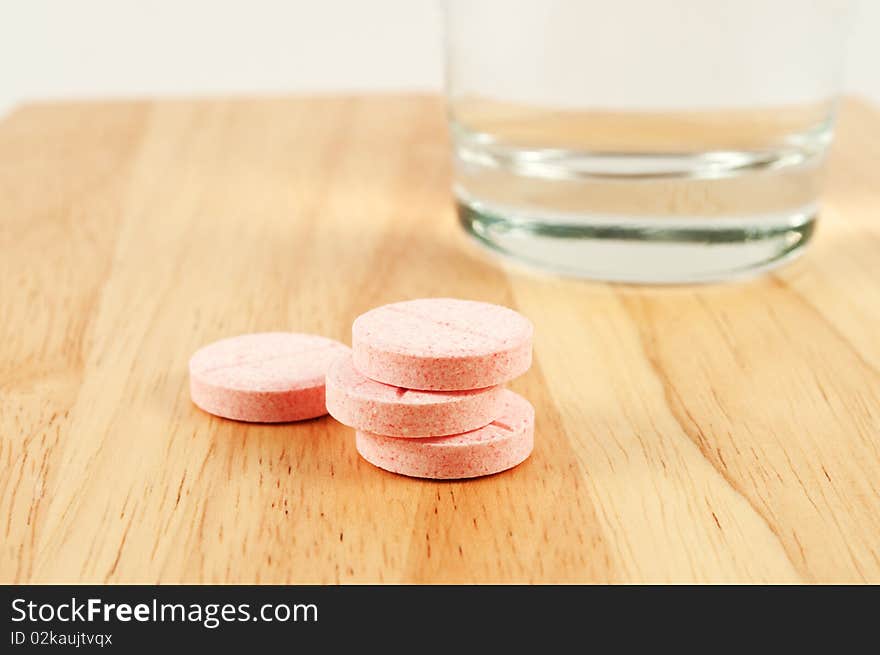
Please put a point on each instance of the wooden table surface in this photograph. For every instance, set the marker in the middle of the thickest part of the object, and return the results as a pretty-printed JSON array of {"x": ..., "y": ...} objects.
[{"x": 717, "y": 433}]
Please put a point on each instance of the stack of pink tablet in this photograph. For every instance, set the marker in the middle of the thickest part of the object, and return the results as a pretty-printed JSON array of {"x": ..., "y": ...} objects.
[{"x": 422, "y": 386}]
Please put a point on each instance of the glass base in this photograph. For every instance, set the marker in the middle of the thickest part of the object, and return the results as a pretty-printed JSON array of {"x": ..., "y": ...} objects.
[{"x": 648, "y": 251}]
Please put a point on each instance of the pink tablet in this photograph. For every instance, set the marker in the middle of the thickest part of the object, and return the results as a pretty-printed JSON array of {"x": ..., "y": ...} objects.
[
  {"x": 268, "y": 377},
  {"x": 365, "y": 404},
  {"x": 501, "y": 445},
  {"x": 442, "y": 344}
]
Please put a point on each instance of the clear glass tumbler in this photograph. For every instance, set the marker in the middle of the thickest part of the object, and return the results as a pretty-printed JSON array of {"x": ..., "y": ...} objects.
[{"x": 643, "y": 141}]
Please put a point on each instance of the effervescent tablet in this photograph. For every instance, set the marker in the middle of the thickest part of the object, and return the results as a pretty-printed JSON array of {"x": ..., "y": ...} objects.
[
  {"x": 442, "y": 344},
  {"x": 266, "y": 377},
  {"x": 364, "y": 404}
]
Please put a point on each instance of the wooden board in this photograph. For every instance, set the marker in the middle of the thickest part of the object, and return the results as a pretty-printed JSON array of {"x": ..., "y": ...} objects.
[{"x": 719, "y": 433}]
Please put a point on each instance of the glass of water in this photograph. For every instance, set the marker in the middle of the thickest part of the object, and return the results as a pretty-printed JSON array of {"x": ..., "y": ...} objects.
[{"x": 643, "y": 141}]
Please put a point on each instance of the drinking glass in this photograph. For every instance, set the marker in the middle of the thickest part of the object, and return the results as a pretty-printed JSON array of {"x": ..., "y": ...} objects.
[{"x": 643, "y": 141}]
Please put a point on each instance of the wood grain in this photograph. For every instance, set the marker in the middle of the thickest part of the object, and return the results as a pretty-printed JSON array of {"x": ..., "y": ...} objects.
[{"x": 721, "y": 433}]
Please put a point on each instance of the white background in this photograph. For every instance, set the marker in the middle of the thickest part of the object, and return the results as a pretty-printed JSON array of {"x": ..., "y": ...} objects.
[{"x": 56, "y": 49}]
